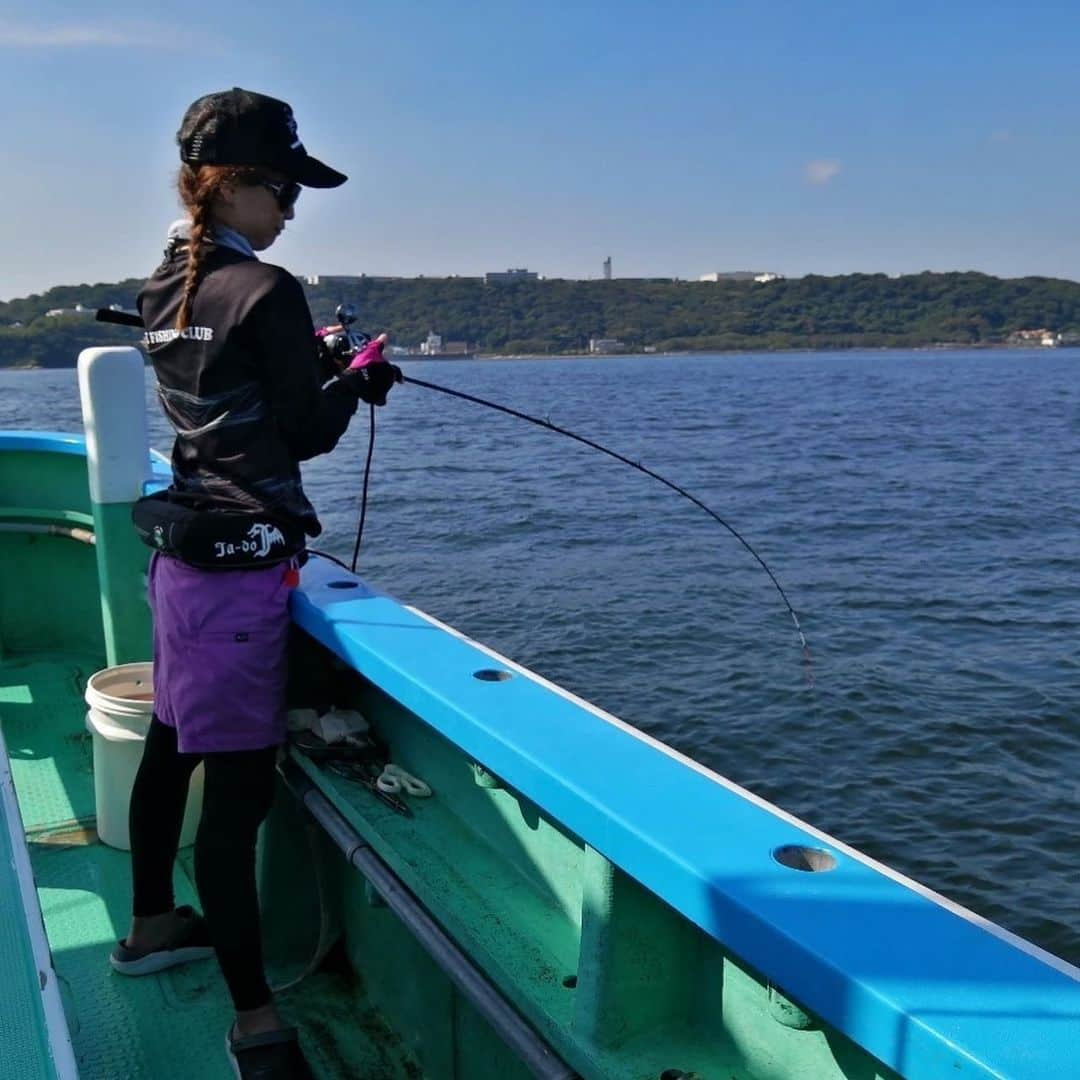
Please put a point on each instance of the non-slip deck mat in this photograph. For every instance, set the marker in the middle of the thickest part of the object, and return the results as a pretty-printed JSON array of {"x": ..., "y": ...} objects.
[
  {"x": 167, "y": 1025},
  {"x": 172, "y": 1025},
  {"x": 44, "y": 720}
]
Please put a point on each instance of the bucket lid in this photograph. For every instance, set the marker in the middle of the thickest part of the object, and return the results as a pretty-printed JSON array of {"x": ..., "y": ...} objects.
[{"x": 124, "y": 690}]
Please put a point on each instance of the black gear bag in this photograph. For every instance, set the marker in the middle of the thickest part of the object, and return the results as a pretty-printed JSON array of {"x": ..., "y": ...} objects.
[{"x": 213, "y": 539}]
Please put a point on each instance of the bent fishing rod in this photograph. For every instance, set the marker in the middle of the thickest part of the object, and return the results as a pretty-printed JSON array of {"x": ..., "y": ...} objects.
[
  {"x": 549, "y": 426},
  {"x": 351, "y": 341}
]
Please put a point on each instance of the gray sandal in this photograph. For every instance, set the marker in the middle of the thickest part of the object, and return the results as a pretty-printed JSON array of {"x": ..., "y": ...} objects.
[
  {"x": 190, "y": 942},
  {"x": 273, "y": 1055}
]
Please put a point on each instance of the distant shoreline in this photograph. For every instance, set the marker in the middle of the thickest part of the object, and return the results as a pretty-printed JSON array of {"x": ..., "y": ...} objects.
[
  {"x": 945, "y": 347},
  {"x": 559, "y": 318},
  {"x": 808, "y": 350}
]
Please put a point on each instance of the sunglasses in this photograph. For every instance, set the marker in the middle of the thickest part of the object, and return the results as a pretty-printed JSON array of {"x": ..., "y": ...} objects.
[{"x": 286, "y": 192}]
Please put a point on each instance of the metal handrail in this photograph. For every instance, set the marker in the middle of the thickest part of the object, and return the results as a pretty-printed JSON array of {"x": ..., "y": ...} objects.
[{"x": 474, "y": 986}]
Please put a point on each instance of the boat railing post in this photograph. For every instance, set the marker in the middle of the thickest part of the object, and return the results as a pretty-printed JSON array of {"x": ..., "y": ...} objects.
[
  {"x": 112, "y": 387},
  {"x": 636, "y": 961}
]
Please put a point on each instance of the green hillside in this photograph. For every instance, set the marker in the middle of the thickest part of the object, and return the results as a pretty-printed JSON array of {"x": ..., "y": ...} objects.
[{"x": 556, "y": 316}]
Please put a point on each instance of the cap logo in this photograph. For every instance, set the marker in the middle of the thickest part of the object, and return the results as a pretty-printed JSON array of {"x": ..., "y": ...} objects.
[{"x": 290, "y": 123}]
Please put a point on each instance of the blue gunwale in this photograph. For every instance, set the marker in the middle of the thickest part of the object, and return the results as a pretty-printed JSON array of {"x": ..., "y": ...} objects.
[
  {"x": 64, "y": 442},
  {"x": 918, "y": 981},
  {"x": 56, "y": 442}
]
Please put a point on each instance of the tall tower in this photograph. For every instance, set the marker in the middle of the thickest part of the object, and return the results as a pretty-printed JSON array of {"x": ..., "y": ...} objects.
[{"x": 607, "y": 268}]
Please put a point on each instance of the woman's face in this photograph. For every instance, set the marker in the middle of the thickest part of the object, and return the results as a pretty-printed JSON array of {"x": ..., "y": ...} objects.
[{"x": 254, "y": 210}]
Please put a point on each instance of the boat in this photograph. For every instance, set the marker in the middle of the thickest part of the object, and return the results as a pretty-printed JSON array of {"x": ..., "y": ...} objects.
[{"x": 575, "y": 899}]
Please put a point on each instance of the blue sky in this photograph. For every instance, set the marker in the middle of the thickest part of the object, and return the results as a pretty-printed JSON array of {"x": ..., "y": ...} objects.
[{"x": 677, "y": 137}]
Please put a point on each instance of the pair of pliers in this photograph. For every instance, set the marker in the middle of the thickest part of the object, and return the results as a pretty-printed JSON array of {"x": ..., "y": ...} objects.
[{"x": 366, "y": 773}]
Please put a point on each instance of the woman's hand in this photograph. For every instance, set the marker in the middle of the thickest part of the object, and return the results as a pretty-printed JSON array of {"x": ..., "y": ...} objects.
[{"x": 378, "y": 373}]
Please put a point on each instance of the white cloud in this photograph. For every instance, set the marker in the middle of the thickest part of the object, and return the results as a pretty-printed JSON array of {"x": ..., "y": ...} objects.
[
  {"x": 81, "y": 36},
  {"x": 50, "y": 37},
  {"x": 821, "y": 171}
]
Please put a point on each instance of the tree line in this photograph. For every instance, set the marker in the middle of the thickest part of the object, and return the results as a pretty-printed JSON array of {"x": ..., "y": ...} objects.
[{"x": 560, "y": 316}]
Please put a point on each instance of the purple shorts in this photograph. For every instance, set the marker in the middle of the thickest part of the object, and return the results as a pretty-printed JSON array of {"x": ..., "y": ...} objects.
[{"x": 220, "y": 663}]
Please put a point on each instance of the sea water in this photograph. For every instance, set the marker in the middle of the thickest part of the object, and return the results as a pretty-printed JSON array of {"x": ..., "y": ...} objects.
[{"x": 919, "y": 508}]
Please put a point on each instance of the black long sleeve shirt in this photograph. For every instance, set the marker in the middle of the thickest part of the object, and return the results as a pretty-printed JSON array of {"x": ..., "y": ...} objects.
[{"x": 241, "y": 384}]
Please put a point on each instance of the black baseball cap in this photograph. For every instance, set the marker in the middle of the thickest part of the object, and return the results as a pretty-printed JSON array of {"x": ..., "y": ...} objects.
[{"x": 240, "y": 127}]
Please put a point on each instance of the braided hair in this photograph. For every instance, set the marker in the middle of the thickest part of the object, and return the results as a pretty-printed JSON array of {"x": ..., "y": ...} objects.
[{"x": 199, "y": 186}]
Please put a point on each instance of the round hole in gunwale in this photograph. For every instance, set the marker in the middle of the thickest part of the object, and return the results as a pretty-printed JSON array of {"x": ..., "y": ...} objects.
[
  {"x": 492, "y": 675},
  {"x": 808, "y": 859}
]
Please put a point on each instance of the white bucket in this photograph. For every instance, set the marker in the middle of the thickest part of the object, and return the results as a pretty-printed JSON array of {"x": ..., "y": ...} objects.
[{"x": 121, "y": 701}]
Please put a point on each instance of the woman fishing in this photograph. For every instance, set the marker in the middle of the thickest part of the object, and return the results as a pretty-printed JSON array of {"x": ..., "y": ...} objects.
[{"x": 241, "y": 380}]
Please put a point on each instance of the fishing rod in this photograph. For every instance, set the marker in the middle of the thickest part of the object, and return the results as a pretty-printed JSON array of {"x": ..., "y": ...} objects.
[{"x": 346, "y": 343}]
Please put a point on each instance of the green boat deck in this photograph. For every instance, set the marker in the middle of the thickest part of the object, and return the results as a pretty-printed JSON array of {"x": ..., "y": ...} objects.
[{"x": 155, "y": 1026}]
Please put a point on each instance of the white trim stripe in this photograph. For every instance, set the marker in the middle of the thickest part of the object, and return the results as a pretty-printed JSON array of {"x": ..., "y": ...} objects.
[{"x": 56, "y": 1024}]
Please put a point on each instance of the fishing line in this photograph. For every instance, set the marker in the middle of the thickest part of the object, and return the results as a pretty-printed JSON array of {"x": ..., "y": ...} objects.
[
  {"x": 330, "y": 558},
  {"x": 363, "y": 500},
  {"x": 610, "y": 453}
]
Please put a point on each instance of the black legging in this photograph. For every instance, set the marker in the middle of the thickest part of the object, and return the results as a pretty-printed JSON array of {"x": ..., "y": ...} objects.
[{"x": 237, "y": 792}]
